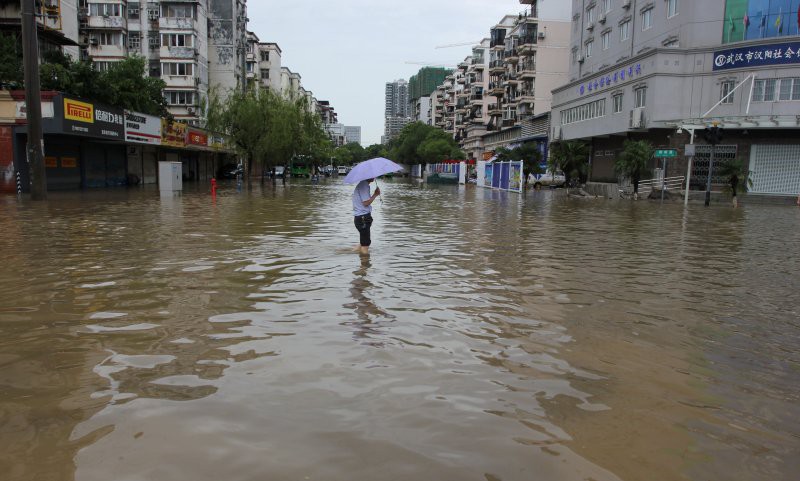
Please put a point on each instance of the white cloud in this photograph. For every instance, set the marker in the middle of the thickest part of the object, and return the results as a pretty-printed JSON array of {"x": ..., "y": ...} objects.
[{"x": 346, "y": 51}]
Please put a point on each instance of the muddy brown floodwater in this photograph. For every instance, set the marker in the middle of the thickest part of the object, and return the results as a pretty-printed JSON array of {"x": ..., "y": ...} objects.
[{"x": 488, "y": 336}]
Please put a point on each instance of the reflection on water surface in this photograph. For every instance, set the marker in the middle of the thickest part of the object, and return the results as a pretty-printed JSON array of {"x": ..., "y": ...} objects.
[{"x": 488, "y": 336}]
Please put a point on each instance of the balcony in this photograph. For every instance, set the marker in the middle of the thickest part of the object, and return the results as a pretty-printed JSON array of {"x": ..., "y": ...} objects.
[
  {"x": 174, "y": 23},
  {"x": 107, "y": 50},
  {"x": 251, "y": 57},
  {"x": 512, "y": 56},
  {"x": 509, "y": 120},
  {"x": 527, "y": 71},
  {"x": 526, "y": 97},
  {"x": 497, "y": 67},
  {"x": 180, "y": 81},
  {"x": 179, "y": 52},
  {"x": 495, "y": 110},
  {"x": 112, "y": 23},
  {"x": 496, "y": 89},
  {"x": 476, "y": 97}
]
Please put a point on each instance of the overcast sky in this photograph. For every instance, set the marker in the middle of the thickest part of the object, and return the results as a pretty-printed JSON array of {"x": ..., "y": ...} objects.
[{"x": 347, "y": 50}]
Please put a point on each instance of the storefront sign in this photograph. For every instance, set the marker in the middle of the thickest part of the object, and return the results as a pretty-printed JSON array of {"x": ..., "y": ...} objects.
[
  {"x": 142, "y": 128},
  {"x": 758, "y": 56},
  {"x": 83, "y": 118},
  {"x": 216, "y": 142},
  {"x": 51, "y": 162},
  {"x": 611, "y": 79},
  {"x": 197, "y": 137},
  {"x": 173, "y": 134},
  {"x": 69, "y": 162},
  {"x": 47, "y": 110}
]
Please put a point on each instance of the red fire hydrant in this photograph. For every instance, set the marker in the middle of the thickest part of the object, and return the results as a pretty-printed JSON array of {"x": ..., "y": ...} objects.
[{"x": 213, "y": 187}]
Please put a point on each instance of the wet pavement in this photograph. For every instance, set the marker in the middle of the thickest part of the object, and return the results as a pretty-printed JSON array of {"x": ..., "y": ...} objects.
[{"x": 488, "y": 336}]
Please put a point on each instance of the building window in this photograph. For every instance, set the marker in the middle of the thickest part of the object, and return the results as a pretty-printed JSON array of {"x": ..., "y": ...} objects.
[
  {"x": 672, "y": 8},
  {"x": 647, "y": 19},
  {"x": 590, "y": 15},
  {"x": 179, "y": 98},
  {"x": 177, "y": 40},
  {"x": 624, "y": 30},
  {"x": 589, "y": 48},
  {"x": 106, "y": 38},
  {"x": 264, "y": 73},
  {"x": 618, "y": 103},
  {"x": 102, "y": 66},
  {"x": 589, "y": 111},
  {"x": 177, "y": 11},
  {"x": 178, "y": 69},
  {"x": 771, "y": 90},
  {"x": 106, "y": 10},
  {"x": 725, "y": 94},
  {"x": 641, "y": 97},
  {"x": 606, "y": 6},
  {"x": 605, "y": 39},
  {"x": 134, "y": 41},
  {"x": 265, "y": 55}
]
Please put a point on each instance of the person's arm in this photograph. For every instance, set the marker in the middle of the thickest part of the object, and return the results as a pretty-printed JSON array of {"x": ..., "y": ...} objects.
[{"x": 369, "y": 201}]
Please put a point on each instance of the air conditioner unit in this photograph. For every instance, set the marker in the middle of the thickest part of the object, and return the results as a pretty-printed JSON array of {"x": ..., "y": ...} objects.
[
  {"x": 190, "y": 110},
  {"x": 626, "y": 4},
  {"x": 637, "y": 118},
  {"x": 580, "y": 59},
  {"x": 602, "y": 19},
  {"x": 94, "y": 41}
]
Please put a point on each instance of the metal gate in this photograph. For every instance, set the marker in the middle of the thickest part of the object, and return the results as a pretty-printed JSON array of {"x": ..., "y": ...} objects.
[
  {"x": 775, "y": 169},
  {"x": 722, "y": 154}
]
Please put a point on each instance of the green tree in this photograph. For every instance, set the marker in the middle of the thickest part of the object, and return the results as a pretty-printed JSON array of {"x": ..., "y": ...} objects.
[
  {"x": 419, "y": 143},
  {"x": 737, "y": 176},
  {"x": 528, "y": 153},
  {"x": 11, "y": 72},
  {"x": 376, "y": 150},
  {"x": 570, "y": 157},
  {"x": 632, "y": 161},
  {"x": 343, "y": 156}
]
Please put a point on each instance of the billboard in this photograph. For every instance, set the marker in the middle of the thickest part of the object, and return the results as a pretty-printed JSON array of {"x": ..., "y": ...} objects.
[
  {"x": 93, "y": 120},
  {"x": 142, "y": 128}
]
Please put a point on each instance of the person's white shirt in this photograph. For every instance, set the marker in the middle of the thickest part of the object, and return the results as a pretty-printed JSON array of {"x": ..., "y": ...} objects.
[{"x": 361, "y": 194}]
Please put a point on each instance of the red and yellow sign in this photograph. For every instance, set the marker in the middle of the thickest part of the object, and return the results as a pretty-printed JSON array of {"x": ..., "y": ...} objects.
[
  {"x": 69, "y": 162},
  {"x": 196, "y": 137},
  {"x": 173, "y": 134},
  {"x": 51, "y": 162},
  {"x": 78, "y": 111}
]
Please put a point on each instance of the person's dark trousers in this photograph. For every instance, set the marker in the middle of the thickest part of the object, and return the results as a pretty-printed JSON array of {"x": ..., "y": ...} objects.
[{"x": 363, "y": 223}]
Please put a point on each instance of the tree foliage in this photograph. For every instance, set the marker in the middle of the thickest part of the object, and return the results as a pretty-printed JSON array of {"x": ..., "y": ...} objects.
[
  {"x": 419, "y": 143},
  {"x": 268, "y": 129},
  {"x": 632, "y": 161},
  {"x": 737, "y": 176},
  {"x": 528, "y": 153},
  {"x": 124, "y": 85},
  {"x": 570, "y": 157}
]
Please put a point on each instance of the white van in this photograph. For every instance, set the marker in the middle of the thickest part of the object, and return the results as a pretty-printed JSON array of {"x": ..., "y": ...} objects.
[{"x": 342, "y": 170}]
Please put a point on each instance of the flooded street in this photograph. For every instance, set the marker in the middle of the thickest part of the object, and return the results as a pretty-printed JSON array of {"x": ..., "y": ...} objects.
[{"x": 488, "y": 336}]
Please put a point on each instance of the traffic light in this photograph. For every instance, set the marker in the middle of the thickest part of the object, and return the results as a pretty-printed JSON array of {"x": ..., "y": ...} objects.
[{"x": 713, "y": 135}]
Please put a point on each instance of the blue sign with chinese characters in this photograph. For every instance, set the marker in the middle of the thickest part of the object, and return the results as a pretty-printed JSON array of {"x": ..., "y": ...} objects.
[
  {"x": 606, "y": 81},
  {"x": 757, "y": 56}
]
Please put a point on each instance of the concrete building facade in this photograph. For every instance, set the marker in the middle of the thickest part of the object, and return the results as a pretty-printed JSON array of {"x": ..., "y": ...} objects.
[
  {"x": 397, "y": 112},
  {"x": 227, "y": 44},
  {"x": 352, "y": 134},
  {"x": 659, "y": 70}
]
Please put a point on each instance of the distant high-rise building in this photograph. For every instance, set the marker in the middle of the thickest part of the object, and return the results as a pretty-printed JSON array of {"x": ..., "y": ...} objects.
[
  {"x": 398, "y": 110},
  {"x": 425, "y": 82},
  {"x": 352, "y": 134}
]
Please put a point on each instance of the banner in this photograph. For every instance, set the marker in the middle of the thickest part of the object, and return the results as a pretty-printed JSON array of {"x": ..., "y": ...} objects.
[
  {"x": 758, "y": 56},
  {"x": 84, "y": 118},
  {"x": 173, "y": 134},
  {"x": 197, "y": 137},
  {"x": 515, "y": 177},
  {"x": 142, "y": 128},
  {"x": 8, "y": 182}
]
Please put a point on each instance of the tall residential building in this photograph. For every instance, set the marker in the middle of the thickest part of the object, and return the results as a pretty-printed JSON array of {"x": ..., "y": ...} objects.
[
  {"x": 58, "y": 24},
  {"x": 501, "y": 95},
  {"x": 352, "y": 134},
  {"x": 397, "y": 112},
  {"x": 425, "y": 81},
  {"x": 269, "y": 66},
  {"x": 171, "y": 35},
  {"x": 227, "y": 43},
  {"x": 661, "y": 70}
]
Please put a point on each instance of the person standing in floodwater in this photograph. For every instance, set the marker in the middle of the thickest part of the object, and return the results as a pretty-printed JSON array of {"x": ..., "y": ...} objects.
[{"x": 362, "y": 212}]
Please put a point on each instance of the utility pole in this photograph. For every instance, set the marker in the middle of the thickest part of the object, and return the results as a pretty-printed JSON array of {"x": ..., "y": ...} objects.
[{"x": 33, "y": 101}]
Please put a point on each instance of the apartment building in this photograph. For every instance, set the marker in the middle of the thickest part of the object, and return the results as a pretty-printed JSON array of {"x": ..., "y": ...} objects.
[
  {"x": 227, "y": 43},
  {"x": 500, "y": 96},
  {"x": 397, "y": 111},
  {"x": 352, "y": 134},
  {"x": 58, "y": 24},
  {"x": 662, "y": 70},
  {"x": 269, "y": 65}
]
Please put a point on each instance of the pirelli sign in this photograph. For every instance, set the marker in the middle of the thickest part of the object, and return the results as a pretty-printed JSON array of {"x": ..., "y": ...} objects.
[{"x": 93, "y": 120}]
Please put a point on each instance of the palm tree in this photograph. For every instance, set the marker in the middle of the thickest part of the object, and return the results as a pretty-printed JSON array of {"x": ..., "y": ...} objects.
[
  {"x": 737, "y": 175},
  {"x": 632, "y": 161},
  {"x": 571, "y": 158}
]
